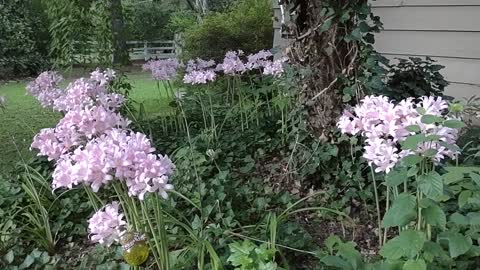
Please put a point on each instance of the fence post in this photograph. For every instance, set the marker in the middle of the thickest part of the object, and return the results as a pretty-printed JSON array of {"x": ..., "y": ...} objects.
[
  {"x": 145, "y": 50},
  {"x": 178, "y": 44}
]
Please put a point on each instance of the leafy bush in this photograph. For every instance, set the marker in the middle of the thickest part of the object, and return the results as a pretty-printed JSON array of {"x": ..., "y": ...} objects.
[
  {"x": 415, "y": 77},
  {"x": 247, "y": 26},
  {"x": 148, "y": 21},
  {"x": 19, "y": 51}
]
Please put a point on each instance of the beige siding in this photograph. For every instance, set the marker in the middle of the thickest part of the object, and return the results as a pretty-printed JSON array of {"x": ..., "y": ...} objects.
[{"x": 446, "y": 30}]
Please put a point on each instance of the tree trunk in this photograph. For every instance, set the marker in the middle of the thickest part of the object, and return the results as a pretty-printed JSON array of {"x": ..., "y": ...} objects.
[
  {"x": 120, "y": 52},
  {"x": 320, "y": 48}
]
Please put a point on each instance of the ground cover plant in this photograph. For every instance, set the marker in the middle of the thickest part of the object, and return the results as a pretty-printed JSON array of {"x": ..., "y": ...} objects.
[{"x": 227, "y": 161}]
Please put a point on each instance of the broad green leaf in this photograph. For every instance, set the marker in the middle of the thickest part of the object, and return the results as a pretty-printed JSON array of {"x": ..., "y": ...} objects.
[
  {"x": 450, "y": 146},
  {"x": 408, "y": 244},
  {"x": 413, "y": 128},
  {"x": 431, "y": 119},
  {"x": 430, "y": 153},
  {"x": 396, "y": 177},
  {"x": 348, "y": 252},
  {"x": 453, "y": 177},
  {"x": 474, "y": 218},
  {"x": 415, "y": 265},
  {"x": 331, "y": 241},
  {"x": 421, "y": 110},
  {"x": 412, "y": 171},
  {"x": 476, "y": 178},
  {"x": 435, "y": 216},
  {"x": 403, "y": 211},
  {"x": 462, "y": 169},
  {"x": 411, "y": 160},
  {"x": 431, "y": 184},
  {"x": 454, "y": 124},
  {"x": 411, "y": 142},
  {"x": 458, "y": 244},
  {"x": 334, "y": 261},
  {"x": 463, "y": 198},
  {"x": 459, "y": 219}
]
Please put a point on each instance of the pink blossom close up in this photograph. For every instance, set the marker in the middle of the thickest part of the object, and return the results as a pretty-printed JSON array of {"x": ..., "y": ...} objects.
[{"x": 106, "y": 226}]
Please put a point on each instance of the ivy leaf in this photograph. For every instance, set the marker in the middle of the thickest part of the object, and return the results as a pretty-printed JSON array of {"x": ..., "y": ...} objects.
[
  {"x": 407, "y": 244},
  {"x": 434, "y": 215},
  {"x": 29, "y": 260},
  {"x": 453, "y": 124},
  {"x": 431, "y": 184},
  {"x": 326, "y": 25},
  {"x": 9, "y": 257},
  {"x": 396, "y": 177},
  {"x": 240, "y": 253},
  {"x": 458, "y": 243},
  {"x": 415, "y": 265},
  {"x": 403, "y": 211}
]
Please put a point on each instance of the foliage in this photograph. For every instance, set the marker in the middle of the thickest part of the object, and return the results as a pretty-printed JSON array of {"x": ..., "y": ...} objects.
[
  {"x": 247, "y": 26},
  {"x": 148, "y": 21},
  {"x": 248, "y": 256},
  {"x": 20, "y": 52},
  {"x": 414, "y": 77},
  {"x": 68, "y": 26}
]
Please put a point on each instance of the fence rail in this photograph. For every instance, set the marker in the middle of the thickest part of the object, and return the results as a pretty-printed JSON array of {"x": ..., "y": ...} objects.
[
  {"x": 157, "y": 49},
  {"x": 137, "y": 50}
]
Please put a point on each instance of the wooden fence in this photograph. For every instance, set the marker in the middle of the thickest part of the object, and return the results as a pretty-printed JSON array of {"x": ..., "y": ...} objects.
[{"x": 158, "y": 49}]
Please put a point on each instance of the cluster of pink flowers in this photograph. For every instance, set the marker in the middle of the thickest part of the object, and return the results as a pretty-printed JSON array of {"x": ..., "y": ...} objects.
[
  {"x": 199, "y": 72},
  {"x": 91, "y": 144},
  {"x": 385, "y": 125},
  {"x": 162, "y": 70},
  {"x": 75, "y": 128},
  {"x": 258, "y": 60},
  {"x": 120, "y": 155},
  {"x": 232, "y": 64},
  {"x": 45, "y": 88},
  {"x": 274, "y": 68},
  {"x": 107, "y": 225}
]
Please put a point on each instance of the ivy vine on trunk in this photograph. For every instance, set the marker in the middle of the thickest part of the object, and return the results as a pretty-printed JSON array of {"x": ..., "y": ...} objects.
[{"x": 333, "y": 42}]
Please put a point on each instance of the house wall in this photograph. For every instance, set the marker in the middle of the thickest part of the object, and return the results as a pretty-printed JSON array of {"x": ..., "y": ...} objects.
[{"x": 445, "y": 30}]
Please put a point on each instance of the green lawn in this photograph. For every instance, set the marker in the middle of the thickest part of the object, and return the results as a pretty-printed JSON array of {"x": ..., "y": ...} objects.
[{"x": 23, "y": 117}]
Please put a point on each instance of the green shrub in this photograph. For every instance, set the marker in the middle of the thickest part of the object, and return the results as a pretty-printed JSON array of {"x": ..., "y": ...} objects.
[
  {"x": 147, "y": 21},
  {"x": 19, "y": 54},
  {"x": 247, "y": 26},
  {"x": 415, "y": 77}
]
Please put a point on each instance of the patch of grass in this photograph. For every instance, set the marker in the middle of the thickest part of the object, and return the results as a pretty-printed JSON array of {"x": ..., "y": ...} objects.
[{"x": 23, "y": 116}]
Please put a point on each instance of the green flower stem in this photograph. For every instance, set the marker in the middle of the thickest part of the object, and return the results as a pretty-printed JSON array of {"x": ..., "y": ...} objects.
[
  {"x": 377, "y": 204},
  {"x": 158, "y": 252}
]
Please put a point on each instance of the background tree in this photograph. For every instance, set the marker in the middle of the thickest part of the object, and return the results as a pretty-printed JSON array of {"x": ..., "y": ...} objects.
[
  {"x": 120, "y": 53},
  {"x": 333, "y": 40}
]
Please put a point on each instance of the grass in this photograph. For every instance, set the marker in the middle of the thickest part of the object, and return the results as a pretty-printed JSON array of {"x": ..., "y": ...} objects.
[{"x": 23, "y": 117}]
